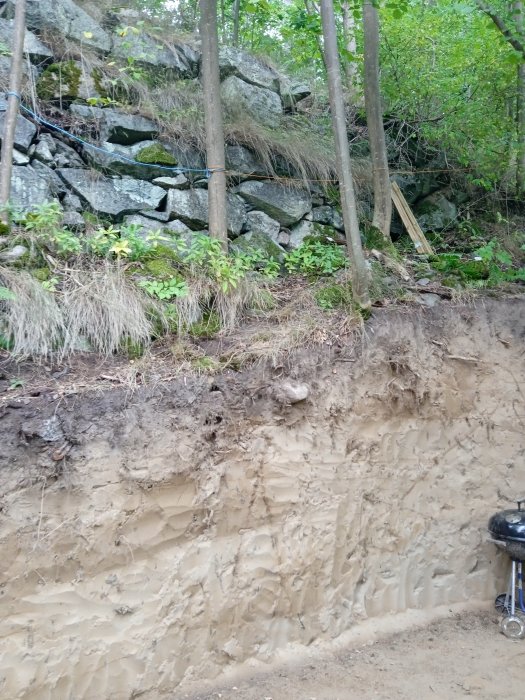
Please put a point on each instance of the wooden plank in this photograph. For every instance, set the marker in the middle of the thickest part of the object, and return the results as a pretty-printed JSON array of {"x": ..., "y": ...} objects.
[{"x": 409, "y": 220}]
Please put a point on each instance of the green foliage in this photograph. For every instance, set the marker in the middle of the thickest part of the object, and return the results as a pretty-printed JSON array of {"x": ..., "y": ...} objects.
[
  {"x": 314, "y": 258},
  {"x": 334, "y": 296},
  {"x": 207, "y": 327},
  {"x": 45, "y": 225},
  {"x": 6, "y": 294},
  {"x": 165, "y": 289}
]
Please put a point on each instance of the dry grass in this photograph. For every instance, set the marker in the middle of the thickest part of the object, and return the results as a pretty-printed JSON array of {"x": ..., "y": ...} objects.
[
  {"x": 99, "y": 305},
  {"x": 34, "y": 320}
]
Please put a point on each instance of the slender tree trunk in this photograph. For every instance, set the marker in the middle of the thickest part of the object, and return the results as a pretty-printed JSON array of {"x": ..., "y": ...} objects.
[
  {"x": 351, "y": 68},
  {"x": 520, "y": 111},
  {"x": 236, "y": 22},
  {"x": 15, "y": 81},
  {"x": 359, "y": 270},
  {"x": 218, "y": 225},
  {"x": 374, "y": 116}
]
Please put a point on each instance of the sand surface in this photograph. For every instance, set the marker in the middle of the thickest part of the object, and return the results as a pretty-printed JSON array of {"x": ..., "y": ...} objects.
[{"x": 465, "y": 656}]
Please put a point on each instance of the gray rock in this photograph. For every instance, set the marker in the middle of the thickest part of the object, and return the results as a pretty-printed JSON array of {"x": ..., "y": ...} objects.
[
  {"x": 430, "y": 300},
  {"x": 170, "y": 233},
  {"x": 48, "y": 429},
  {"x": 259, "y": 222},
  {"x": 306, "y": 229},
  {"x": 20, "y": 158},
  {"x": 28, "y": 188},
  {"x": 45, "y": 149},
  {"x": 117, "y": 127},
  {"x": 112, "y": 196},
  {"x": 292, "y": 92},
  {"x": 287, "y": 205},
  {"x": 65, "y": 16},
  {"x": 56, "y": 185},
  {"x": 328, "y": 216},
  {"x": 67, "y": 157},
  {"x": 115, "y": 159},
  {"x": 145, "y": 50},
  {"x": 9, "y": 257},
  {"x": 73, "y": 220},
  {"x": 162, "y": 216},
  {"x": 72, "y": 203},
  {"x": 435, "y": 212},
  {"x": 241, "y": 160},
  {"x": 33, "y": 47},
  {"x": 188, "y": 157},
  {"x": 191, "y": 207},
  {"x": 126, "y": 129},
  {"x": 283, "y": 238},
  {"x": 178, "y": 182},
  {"x": 263, "y": 105},
  {"x": 25, "y": 130},
  {"x": 235, "y": 62}
]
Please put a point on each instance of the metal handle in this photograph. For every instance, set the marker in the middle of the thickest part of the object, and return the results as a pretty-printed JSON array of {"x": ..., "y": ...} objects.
[{"x": 519, "y": 501}]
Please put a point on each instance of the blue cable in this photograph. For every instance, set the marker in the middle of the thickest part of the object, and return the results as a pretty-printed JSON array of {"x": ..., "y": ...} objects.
[{"x": 206, "y": 171}]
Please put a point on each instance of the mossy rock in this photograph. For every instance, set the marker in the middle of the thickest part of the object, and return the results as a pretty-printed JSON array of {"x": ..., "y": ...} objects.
[
  {"x": 255, "y": 242},
  {"x": 59, "y": 81},
  {"x": 42, "y": 274},
  {"x": 156, "y": 154},
  {"x": 160, "y": 268}
]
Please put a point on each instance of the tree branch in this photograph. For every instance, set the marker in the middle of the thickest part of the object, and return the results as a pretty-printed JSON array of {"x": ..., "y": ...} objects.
[{"x": 504, "y": 29}]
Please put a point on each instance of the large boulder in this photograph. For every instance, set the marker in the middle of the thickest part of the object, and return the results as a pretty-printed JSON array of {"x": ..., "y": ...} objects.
[
  {"x": 24, "y": 131},
  {"x": 28, "y": 188},
  {"x": 256, "y": 242},
  {"x": 66, "y": 17},
  {"x": 150, "y": 159},
  {"x": 436, "y": 212},
  {"x": 263, "y": 105},
  {"x": 180, "y": 60},
  {"x": 117, "y": 127},
  {"x": 35, "y": 49},
  {"x": 56, "y": 184},
  {"x": 236, "y": 62},
  {"x": 287, "y": 205},
  {"x": 55, "y": 153},
  {"x": 191, "y": 207},
  {"x": 112, "y": 196}
]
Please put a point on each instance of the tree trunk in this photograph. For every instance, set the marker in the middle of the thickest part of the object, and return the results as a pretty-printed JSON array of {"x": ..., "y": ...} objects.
[
  {"x": 15, "y": 81},
  {"x": 359, "y": 270},
  {"x": 218, "y": 226},
  {"x": 520, "y": 111},
  {"x": 236, "y": 22},
  {"x": 351, "y": 69},
  {"x": 374, "y": 116}
]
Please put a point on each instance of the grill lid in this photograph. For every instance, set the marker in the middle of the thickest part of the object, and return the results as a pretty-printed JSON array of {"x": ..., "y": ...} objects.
[{"x": 509, "y": 525}]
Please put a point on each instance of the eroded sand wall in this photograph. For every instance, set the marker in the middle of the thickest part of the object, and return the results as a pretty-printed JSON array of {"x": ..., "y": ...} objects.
[{"x": 203, "y": 524}]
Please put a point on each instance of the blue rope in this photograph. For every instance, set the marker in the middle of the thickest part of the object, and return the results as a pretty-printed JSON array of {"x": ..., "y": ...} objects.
[{"x": 40, "y": 120}]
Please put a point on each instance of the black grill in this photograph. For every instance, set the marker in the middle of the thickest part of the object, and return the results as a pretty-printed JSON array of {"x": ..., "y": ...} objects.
[{"x": 507, "y": 529}]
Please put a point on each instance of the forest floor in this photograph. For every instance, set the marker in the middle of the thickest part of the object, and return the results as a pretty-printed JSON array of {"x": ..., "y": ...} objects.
[{"x": 459, "y": 657}]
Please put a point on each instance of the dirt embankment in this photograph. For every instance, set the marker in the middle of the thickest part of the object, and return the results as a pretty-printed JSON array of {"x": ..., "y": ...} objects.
[{"x": 154, "y": 538}]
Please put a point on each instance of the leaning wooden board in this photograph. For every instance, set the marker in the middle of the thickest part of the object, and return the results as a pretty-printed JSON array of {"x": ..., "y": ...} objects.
[{"x": 409, "y": 220}]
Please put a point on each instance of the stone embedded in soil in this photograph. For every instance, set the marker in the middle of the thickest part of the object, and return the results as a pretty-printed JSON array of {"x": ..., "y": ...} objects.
[
  {"x": 287, "y": 205},
  {"x": 114, "y": 197},
  {"x": 309, "y": 229}
]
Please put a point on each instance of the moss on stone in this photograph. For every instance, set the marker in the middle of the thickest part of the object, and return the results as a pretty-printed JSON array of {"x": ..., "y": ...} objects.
[
  {"x": 334, "y": 296},
  {"x": 160, "y": 268},
  {"x": 155, "y": 154},
  {"x": 59, "y": 81},
  {"x": 474, "y": 270},
  {"x": 42, "y": 274}
]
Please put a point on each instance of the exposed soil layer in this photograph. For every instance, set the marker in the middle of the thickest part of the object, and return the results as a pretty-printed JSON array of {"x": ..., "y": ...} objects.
[
  {"x": 154, "y": 538},
  {"x": 453, "y": 658}
]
